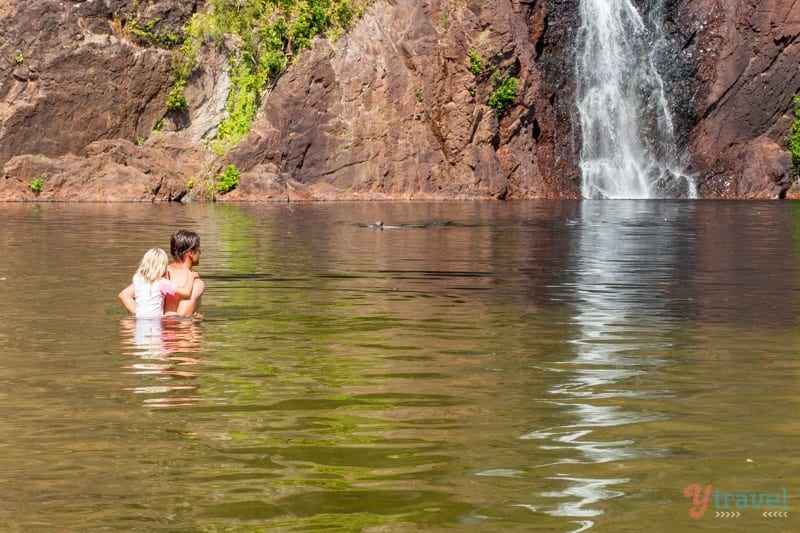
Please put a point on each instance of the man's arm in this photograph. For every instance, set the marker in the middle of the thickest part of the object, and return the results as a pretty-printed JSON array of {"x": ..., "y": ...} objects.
[
  {"x": 128, "y": 299},
  {"x": 190, "y": 306}
]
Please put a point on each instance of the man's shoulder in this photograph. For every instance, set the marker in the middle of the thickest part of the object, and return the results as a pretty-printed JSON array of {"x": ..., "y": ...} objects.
[{"x": 178, "y": 268}]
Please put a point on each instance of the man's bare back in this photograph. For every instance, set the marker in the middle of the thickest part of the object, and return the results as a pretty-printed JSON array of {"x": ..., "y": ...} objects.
[
  {"x": 178, "y": 274},
  {"x": 185, "y": 250}
]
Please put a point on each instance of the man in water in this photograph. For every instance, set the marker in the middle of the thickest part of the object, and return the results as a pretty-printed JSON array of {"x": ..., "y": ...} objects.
[{"x": 185, "y": 249}]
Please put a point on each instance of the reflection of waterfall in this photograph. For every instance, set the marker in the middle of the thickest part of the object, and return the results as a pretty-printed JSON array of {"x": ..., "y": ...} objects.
[
  {"x": 628, "y": 258},
  {"x": 628, "y": 148}
]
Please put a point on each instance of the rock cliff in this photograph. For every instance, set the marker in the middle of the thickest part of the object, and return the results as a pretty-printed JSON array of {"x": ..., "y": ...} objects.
[
  {"x": 392, "y": 110},
  {"x": 747, "y": 55},
  {"x": 396, "y": 108}
]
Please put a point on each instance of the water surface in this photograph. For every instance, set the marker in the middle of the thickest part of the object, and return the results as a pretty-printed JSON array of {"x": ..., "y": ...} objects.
[{"x": 525, "y": 366}]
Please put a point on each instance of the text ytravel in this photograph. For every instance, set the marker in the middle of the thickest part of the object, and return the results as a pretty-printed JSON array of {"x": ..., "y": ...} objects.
[{"x": 733, "y": 501}]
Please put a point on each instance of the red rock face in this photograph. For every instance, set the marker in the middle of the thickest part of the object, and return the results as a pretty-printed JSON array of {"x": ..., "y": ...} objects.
[
  {"x": 394, "y": 110},
  {"x": 747, "y": 56},
  {"x": 71, "y": 76}
]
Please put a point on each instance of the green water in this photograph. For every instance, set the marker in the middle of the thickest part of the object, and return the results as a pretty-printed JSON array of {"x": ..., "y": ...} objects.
[{"x": 531, "y": 366}]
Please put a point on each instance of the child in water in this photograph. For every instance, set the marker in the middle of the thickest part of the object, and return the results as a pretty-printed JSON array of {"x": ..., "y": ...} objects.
[{"x": 150, "y": 285}]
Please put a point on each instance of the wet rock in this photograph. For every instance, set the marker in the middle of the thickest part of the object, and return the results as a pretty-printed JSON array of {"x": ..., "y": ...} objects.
[{"x": 763, "y": 172}]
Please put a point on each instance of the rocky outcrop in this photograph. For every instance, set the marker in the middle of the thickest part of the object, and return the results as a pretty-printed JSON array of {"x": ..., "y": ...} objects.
[
  {"x": 108, "y": 170},
  {"x": 73, "y": 74},
  {"x": 70, "y": 76},
  {"x": 747, "y": 56},
  {"x": 396, "y": 109},
  {"x": 392, "y": 110}
]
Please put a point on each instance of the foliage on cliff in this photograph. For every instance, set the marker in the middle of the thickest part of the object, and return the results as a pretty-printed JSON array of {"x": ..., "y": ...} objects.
[
  {"x": 793, "y": 142},
  {"x": 260, "y": 38}
]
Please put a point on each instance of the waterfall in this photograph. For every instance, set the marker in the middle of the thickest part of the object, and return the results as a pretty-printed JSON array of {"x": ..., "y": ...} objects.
[{"x": 628, "y": 140}]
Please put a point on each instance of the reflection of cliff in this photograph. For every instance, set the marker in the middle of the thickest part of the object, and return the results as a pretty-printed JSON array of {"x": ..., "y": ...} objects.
[
  {"x": 391, "y": 110},
  {"x": 447, "y": 252},
  {"x": 741, "y": 269}
]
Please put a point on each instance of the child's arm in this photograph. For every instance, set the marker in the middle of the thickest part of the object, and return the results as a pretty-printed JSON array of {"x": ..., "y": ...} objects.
[
  {"x": 127, "y": 297},
  {"x": 185, "y": 291}
]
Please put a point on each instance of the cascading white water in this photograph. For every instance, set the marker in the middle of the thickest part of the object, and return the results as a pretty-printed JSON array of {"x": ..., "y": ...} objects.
[{"x": 628, "y": 148}]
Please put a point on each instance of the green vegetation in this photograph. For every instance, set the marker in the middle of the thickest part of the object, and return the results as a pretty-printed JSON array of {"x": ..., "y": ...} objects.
[
  {"x": 176, "y": 100},
  {"x": 260, "y": 38},
  {"x": 37, "y": 184},
  {"x": 504, "y": 94},
  {"x": 475, "y": 63},
  {"x": 19, "y": 59},
  {"x": 793, "y": 143},
  {"x": 182, "y": 65},
  {"x": 228, "y": 179},
  {"x": 418, "y": 95},
  {"x": 148, "y": 33}
]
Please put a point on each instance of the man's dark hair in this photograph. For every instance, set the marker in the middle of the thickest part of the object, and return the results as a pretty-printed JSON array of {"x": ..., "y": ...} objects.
[{"x": 182, "y": 242}]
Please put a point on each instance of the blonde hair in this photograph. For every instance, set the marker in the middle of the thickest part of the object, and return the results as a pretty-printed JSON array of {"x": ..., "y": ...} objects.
[{"x": 153, "y": 265}]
